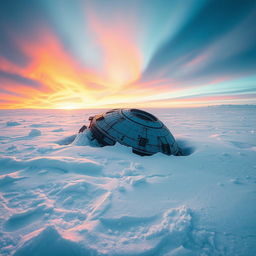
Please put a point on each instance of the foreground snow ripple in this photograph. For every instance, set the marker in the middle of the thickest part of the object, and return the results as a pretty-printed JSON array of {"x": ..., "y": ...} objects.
[{"x": 66, "y": 164}]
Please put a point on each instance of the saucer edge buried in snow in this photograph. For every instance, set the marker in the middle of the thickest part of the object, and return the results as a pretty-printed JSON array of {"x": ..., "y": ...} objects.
[{"x": 135, "y": 128}]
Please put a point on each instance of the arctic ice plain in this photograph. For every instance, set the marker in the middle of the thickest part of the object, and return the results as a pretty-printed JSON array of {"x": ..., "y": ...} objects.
[{"x": 59, "y": 196}]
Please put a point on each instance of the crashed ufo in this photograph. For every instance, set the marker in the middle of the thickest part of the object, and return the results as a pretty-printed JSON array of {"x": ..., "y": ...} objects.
[{"x": 135, "y": 128}]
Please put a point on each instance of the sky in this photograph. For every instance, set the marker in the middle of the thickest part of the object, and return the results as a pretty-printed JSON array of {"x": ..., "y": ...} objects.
[{"x": 66, "y": 54}]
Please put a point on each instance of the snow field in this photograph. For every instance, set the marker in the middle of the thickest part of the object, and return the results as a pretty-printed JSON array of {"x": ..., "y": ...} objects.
[{"x": 61, "y": 196}]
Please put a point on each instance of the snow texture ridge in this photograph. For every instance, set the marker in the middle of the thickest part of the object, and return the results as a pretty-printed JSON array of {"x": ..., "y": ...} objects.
[{"x": 66, "y": 164}]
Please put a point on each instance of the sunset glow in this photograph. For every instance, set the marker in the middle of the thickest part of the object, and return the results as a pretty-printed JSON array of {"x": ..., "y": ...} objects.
[{"x": 89, "y": 54}]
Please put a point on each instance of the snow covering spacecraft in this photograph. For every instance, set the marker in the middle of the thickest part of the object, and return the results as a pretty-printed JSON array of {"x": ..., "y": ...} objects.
[{"x": 135, "y": 128}]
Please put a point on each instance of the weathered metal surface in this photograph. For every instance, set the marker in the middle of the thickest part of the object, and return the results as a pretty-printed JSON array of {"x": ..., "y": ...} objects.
[{"x": 134, "y": 128}]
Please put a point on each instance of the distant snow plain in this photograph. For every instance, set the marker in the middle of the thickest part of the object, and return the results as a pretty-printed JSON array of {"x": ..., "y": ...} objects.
[{"x": 61, "y": 196}]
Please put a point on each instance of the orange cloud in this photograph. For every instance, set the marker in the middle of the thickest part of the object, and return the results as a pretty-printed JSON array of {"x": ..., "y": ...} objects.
[
  {"x": 66, "y": 84},
  {"x": 121, "y": 57},
  {"x": 53, "y": 67}
]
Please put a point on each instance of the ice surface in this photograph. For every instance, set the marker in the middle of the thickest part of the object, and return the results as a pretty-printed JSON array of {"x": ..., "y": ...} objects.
[{"x": 61, "y": 195}]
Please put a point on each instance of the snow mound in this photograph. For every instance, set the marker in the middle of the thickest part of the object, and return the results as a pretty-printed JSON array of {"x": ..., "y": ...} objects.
[
  {"x": 174, "y": 222},
  {"x": 25, "y": 218},
  {"x": 153, "y": 235},
  {"x": 12, "y": 123},
  {"x": 180, "y": 251},
  {"x": 34, "y": 133},
  {"x": 81, "y": 139},
  {"x": 77, "y": 195},
  {"x": 185, "y": 147},
  {"x": 7, "y": 180},
  {"x": 67, "y": 140},
  {"x": 49, "y": 242},
  {"x": 58, "y": 130}
]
